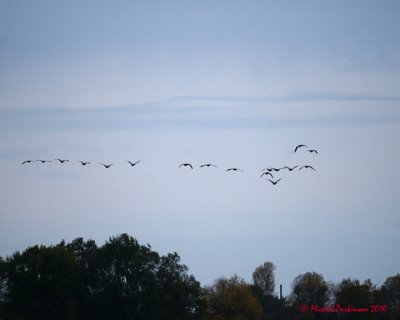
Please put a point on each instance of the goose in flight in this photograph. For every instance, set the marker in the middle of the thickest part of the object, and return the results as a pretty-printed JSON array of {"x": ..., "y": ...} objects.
[
  {"x": 44, "y": 161},
  {"x": 271, "y": 169},
  {"x": 312, "y": 151},
  {"x": 62, "y": 161},
  {"x": 27, "y": 161},
  {"x": 290, "y": 169},
  {"x": 299, "y": 146},
  {"x": 208, "y": 165},
  {"x": 84, "y": 163},
  {"x": 267, "y": 173},
  {"x": 106, "y": 165},
  {"x": 133, "y": 163},
  {"x": 274, "y": 182},
  {"x": 306, "y": 167},
  {"x": 234, "y": 169},
  {"x": 186, "y": 165}
]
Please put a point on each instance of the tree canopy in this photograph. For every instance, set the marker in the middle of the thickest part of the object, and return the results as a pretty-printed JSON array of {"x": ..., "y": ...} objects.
[
  {"x": 232, "y": 299},
  {"x": 119, "y": 280},
  {"x": 264, "y": 278},
  {"x": 125, "y": 280}
]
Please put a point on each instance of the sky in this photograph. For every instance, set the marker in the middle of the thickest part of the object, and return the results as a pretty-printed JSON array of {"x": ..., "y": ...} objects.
[{"x": 233, "y": 83}]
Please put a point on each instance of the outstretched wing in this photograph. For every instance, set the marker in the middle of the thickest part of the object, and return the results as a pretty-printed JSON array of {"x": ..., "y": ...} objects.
[{"x": 299, "y": 146}]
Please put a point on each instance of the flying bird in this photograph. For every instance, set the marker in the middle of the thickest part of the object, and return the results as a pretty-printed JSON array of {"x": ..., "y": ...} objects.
[
  {"x": 299, "y": 146},
  {"x": 312, "y": 151},
  {"x": 62, "y": 161},
  {"x": 133, "y": 163},
  {"x": 44, "y": 161},
  {"x": 208, "y": 165},
  {"x": 290, "y": 169},
  {"x": 106, "y": 165},
  {"x": 186, "y": 165},
  {"x": 234, "y": 169},
  {"x": 84, "y": 163},
  {"x": 268, "y": 169},
  {"x": 274, "y": 182},
  {"x": 306, "y": 167},
  {"x": 27, "y": 161},
  {"x": 267, "y": 173}
]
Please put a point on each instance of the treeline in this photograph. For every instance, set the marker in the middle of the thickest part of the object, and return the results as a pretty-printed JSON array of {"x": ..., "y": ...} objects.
[{"x": 125, "y": 280}]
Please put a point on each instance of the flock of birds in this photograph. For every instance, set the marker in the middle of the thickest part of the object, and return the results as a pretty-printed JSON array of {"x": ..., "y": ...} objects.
[{"x": 264, "y": 172}]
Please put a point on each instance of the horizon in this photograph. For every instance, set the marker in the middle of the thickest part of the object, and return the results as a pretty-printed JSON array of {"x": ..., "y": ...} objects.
[{"x": 236, "y": 84}]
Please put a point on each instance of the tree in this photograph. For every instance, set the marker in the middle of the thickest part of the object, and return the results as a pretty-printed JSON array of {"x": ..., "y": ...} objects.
[
  {"x": 180, "y": 296},
  {"x": 310, "y": 288},
  {"x": 391, "y": 289},
  {"x": 3, "y": 288},
  {"x": 264, "y": 278},
  {"x": 355, "y": 294},
  {"x": 232, "y": 299},
  {"x": 133, "y": 282},
  {"x": 120, "y": 280},
  {"x": 43, "y": 283},
  {"x": 274, "y": 308}
]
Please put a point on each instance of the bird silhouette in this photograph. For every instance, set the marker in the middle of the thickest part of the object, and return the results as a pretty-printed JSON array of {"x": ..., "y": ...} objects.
[
  {"x": 306, "y": 167},
  {"x": 312, "y": 151},
  {"x": 27, "y": 161},
  {"x": 290, "y": 169},
  {"x": 267, "y": 169},
  {"x": 44, "y": 161},
  {"x": 299, "y": 146},
  {"x": 84, "y": 163},
  {"x": 133, "y": 163},
  {"x": 274, "y": 182},
  {"x": 234, "y": 169},
  {"x": 267, "y": 173},
  {"x": 186, "y": 165},
  {"x": 106, "y": 165},
  {"x": 208, "y": 165},
  {"x": 62, "y": 161}
]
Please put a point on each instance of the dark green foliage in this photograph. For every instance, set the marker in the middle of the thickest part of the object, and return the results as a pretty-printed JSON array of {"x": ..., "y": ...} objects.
[
  {"x": 120, "y": 280},
  {"x": 353, "y": 293},
  {"x": 124, "y": 280},
  {"x": 391, "y": 293},
  {"x": 310, "y": 288},
  {"x": 42, "y": 283}
]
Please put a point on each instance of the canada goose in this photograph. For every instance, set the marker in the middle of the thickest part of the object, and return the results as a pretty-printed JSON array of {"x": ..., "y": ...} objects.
[
  {"x": 44, "y": 161},
  {"x": 84, "y": 163},
  {"x": 27, "y": 161},
  {"x": 290, "y": 169},
  {"x": 274, "y": 182},
  {"x": 208, "y": 165},
  {"x": 62, "y": 161},
  {"x": 186, "y": 165},
  {"x": 306, "y": 167},
  {"x": 106, "y": 165},
  {"x": 312, "y": 151},
  {"x": 267, "y": 173},
  {"x": 234, "y": 169},
  {"x": 133, "y": 163}
]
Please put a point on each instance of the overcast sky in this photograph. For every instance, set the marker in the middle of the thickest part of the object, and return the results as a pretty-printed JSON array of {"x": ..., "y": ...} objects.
[{"x": 234, "y": 83}]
